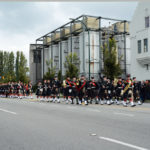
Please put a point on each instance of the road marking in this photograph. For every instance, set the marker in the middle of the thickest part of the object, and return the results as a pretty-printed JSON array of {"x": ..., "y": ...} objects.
[
  {"x": 93, "y": 134},
  {"x": 129, "y": 115},
  {"x": 11, "y": 112},
  {"x": 122, "y": 143}
]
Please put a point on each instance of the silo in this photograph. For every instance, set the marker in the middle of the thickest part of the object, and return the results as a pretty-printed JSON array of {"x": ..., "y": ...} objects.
[
  {"x": 55, "y": 56},
  {"x": 47, "y": 40},
  {"x": 94, "y": 54},
  {"x": 56, "y": 36},
  {"x": 64, "y": 49},
  {"x": 65, "y": 32},
  {"x": 76, "y": 27},
  {"x": 91, "y": 22}
]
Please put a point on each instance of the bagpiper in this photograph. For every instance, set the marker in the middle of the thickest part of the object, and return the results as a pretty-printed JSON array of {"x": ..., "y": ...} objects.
[
  {"x": 75, "y": 90},
  {"x": 136, "y": 91},
  {"x": 104, "y": 90},
  {"x": 128, "y": 92},
  {"x": 119, "y": 91},
  {"x": 39, "y": 90},
  {"x": 82, "y": 90},
  {"x": 91, "y": 90},
  {"x": 56, "y": 89},
  {"x": 29, "y": 89},
  {"x": 44, "y": 90},
  {"x": 67, "y": 89},
  {"x": 49, "y": 90}
]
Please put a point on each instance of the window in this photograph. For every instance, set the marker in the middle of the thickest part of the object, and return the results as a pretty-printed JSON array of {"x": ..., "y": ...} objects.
[
  {"x": 146, "y": 22},
  {"x": 139, "y": 46},
  {"x": 147, "y": 67},
  {"x": 145, "y": 45},
  {"x": 37, "y": 56}
]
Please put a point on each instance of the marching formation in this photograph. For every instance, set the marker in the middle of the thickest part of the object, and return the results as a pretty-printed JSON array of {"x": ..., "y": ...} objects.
[
  {"x": 80, "y": 91},
  {"x": 16, "y": 90}
]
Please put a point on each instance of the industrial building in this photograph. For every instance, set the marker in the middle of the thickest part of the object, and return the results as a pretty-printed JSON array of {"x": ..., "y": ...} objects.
[
  {"x": 140, "y": 45},
  {"x": 84, "y": 35}
]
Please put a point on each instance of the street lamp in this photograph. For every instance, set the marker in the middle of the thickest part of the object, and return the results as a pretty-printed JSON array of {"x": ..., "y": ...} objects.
[{"x": 88, "y": 40}]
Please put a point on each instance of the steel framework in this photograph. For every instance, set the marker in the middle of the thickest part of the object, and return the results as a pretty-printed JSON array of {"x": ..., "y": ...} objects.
[{"x": 102, "y": 30}]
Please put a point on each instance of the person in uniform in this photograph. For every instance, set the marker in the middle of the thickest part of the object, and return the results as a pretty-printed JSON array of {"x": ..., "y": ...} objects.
[
  {"x": 44, "y": 92},
  {"x": 56, "y": 89},
  {"x": 91, "y": 90},
  {"x": 119, "y": 91},
  {"x": 68, "y": 89},
  {"x": 104, "y": 90},
  {"x": 100, "y": 91},
  {"x": 109, "y": 91},
  {"x": 88, "y": 92},
  {"x": 75, "y": 90},
  {"x": 24, "y": 88},
  {"x": 15, "y": 89},
  {"x": 136, "y": 91},
  {"x": 128, "y": 92},
  {"x": 29, "y": 89},
  {"x": 11, "y": 90},
  {"x": 82, "y": 90},
  {"x": 49, "y": 91},
  {"x": 39, "y": 90}
]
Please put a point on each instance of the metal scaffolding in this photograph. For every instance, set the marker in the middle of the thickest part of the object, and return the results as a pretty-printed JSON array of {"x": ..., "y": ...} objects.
[{"x": 43, "y": 40}]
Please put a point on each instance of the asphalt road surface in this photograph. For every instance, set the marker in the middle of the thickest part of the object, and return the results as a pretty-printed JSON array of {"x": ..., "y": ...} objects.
[{"x": 32, "y": 125}]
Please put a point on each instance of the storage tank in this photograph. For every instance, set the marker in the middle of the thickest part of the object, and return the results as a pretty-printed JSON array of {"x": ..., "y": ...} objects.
[
  {"x": 91, "y": 22},
  {"x": 76, "y": 27},
  {"x": 55, "y": 56},
  {"x": 119, "y": 27},
  {"x": 56, "y": 36},
  {"x": 65, "y": 32},
  {"x": 47, "y": 41},
  {"x": 64, "y": 49}
]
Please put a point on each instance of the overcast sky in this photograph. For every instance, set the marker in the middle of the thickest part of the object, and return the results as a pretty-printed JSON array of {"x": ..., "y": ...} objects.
[{"x": 21, "y": 23}]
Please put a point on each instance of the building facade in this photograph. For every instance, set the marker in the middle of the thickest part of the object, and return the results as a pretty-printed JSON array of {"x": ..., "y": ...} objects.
[
  {"x": 85, "y": 36},
  {"x": 140, "y": 42}
]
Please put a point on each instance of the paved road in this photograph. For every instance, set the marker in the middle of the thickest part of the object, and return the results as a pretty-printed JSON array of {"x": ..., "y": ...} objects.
[{"x": 31, "y": 125}]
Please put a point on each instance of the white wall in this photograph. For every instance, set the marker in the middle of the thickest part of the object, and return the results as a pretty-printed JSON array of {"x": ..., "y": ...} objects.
[{"x": 139, "y": 32}]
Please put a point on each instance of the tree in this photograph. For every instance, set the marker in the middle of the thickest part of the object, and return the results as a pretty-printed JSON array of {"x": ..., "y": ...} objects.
[
  {"x": 59, "y": 75},
  {"x": 50, "y": 74},
  {"x": 1, "y": 63},
  {"x": 23, "y": 69},
  {"x": 11, "y": 67},
  {"x": 112, "y": 67},
  {"x": 17, "y": 65},
  {"x": 5, "y": 66},
  {"x": 71, "y": 65}
]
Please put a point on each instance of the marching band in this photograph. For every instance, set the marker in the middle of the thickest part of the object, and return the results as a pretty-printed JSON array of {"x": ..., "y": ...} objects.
[{"x": 80, "y": 91}]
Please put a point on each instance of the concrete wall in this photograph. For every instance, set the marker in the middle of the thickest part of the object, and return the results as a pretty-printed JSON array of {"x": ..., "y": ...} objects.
[{"x": 35, "y": 68}]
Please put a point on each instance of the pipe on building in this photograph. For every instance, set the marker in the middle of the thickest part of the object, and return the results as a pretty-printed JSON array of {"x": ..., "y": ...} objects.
[
  {"x": 125, "y": 69},
  {"x": 100, "y": 44}
]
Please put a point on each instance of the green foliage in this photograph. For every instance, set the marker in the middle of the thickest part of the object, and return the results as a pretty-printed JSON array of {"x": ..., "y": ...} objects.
[
  {"x": 5, "y": 63},
  {"x": 59, "y": 75},
  {"x": 17, "y": 65},
  {"x": 1, "y": 63},
  {"x": 13, "y": 69},
  {"x": 112, "y": 67},
  {"x": 71, "y": 65},
  {"x": 23, "y": 69},
  {"x": 50, "y": 74}
]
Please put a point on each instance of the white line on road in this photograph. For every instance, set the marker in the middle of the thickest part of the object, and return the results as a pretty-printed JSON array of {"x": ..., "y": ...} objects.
[
  {"x": 122, "y": 143},
  {"x": 11, "y": 112},
  {"x": 130, "y": 115}
]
